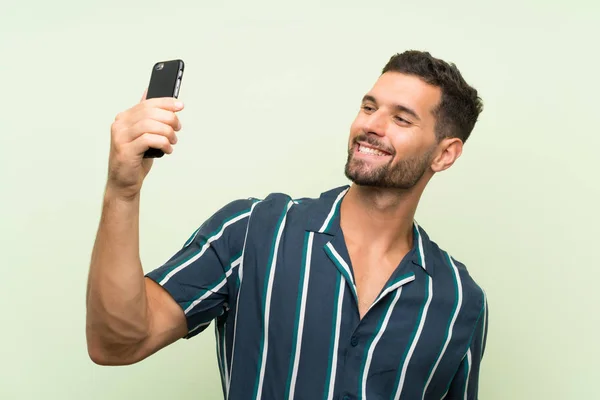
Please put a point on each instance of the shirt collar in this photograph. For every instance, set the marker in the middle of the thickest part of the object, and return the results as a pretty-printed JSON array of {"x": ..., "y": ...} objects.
[{"x": 323, "y": 216}]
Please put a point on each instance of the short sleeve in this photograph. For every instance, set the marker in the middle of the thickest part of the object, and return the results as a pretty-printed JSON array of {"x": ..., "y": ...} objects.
[
  {"x": 465, "y": 384},
  {"x": 197, "y": 276}
]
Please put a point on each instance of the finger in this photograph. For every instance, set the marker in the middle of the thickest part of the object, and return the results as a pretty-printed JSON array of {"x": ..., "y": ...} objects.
[
  {"x": 149, "y": 140},
  {"x": 166, "y": 103},
  {"x": 138, "y": 111},
  {"x": 153, "y": 127},
  {"x": 157, "y": 114}
]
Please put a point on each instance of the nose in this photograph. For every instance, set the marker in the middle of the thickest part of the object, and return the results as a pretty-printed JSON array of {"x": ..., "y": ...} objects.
[{"x": 375, "y": 124}]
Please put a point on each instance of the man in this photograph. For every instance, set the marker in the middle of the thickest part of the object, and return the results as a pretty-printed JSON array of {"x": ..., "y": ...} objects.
[{"x": 340, "y": 297}]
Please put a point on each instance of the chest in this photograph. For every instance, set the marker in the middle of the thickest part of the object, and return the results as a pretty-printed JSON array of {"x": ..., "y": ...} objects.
[
  {"x": 295, "y": 306},
  {"x": 371, "y": 273}
]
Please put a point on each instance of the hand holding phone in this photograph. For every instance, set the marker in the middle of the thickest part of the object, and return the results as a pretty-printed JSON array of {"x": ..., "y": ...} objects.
[
  {"x": 165, "y": 81},
  {"x": 145, "y": 130}
]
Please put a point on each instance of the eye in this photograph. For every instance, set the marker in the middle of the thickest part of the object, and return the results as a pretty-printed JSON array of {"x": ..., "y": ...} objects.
[
  {"x": 401, "y": 120},
  {"x": 368, "y": 108}
]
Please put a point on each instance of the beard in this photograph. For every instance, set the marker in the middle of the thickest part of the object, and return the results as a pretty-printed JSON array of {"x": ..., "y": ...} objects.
[{"x": 403, "y": 174}]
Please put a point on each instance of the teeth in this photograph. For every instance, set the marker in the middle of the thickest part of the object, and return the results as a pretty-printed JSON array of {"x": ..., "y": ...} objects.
[{"x": 368, "y": 150}]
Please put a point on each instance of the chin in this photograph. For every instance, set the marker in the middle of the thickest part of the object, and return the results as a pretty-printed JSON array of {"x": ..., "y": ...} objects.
[
  {"x": 363, "y": 178},
  {"x": 372, "y": 180}
]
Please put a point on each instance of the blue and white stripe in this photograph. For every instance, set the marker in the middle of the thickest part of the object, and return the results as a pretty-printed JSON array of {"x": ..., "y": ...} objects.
[
  {"x": 456, "y": 311},
  {"x": 206, "y": 245},
  {"x": 268, "y": 305}
]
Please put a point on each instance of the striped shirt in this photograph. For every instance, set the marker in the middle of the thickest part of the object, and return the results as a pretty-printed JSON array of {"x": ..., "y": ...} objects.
[{"x": 275, "y": 277}]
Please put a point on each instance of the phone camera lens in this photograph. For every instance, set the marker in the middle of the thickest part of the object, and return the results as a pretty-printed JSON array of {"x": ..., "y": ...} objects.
[{"x": 159, "y": 66}]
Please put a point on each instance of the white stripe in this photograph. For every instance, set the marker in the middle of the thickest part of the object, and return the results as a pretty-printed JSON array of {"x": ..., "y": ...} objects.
[
  {"x": 237, "y": 262},
  {"x": 234, "y": 264},
  {"x": 220, "y": 358},
  {"x": 302, "y": 313},
  {"x": 214, "y": 289},
  {"x": 375, "y": 341},
  {"x": 341, "y": 261},
  {"x": 332, "y": 211},
  {"x": 211, "y": 291},
  {"x": 392, "y": 288},
  {"x": 468, "y": 373},
  {"x": 218, "y": 342},
  {"x": 206, "y": 246},
  {"x": 451, "y": 327},
  {"x": 191, "y": 239},
  {"x": 336, "y": 342},
  {"x": 200, "y": 326},
  {"x": 240, "y": 275},
  {"x": 485, "y": 311},
  {"x": 226, "y": 369},
  {"x": 268, "y": 304},
  {"x": 421, "y": 251},
  {"x": 467, "y": 381},
  {"x": 415, "y": 340},
  {"x": 223, "y": 359}
]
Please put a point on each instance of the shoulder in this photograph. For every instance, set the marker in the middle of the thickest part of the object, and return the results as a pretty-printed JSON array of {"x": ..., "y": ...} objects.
[
  {"x": 252, "y": 206},
  {"x": 454, "y": 272},
  {"x": 241, "y": 218},
  {"x": 277, "y": 205},
  {"x": 474, "y": 297},
  {"x": 251, "y": 210},
  {"x": 230, "y": 213}
]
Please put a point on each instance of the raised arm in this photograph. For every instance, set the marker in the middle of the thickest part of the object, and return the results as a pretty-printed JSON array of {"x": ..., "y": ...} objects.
[{"x": 129, "y": 316}]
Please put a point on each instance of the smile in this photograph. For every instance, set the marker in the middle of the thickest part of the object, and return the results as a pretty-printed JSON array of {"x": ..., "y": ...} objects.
[{"x": 370, "y": 151}]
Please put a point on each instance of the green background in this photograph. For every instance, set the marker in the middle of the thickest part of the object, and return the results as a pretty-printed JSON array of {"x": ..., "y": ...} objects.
[{"x": 270, "y": 91}]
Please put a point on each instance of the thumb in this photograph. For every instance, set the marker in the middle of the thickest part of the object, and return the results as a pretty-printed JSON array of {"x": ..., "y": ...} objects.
[{"x": 144, "y": 95}]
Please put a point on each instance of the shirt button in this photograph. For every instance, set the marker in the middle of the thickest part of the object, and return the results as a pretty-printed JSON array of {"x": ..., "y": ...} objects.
[
  {"x": 346, "y": 398},
  {"x": 353, "y": 342}
]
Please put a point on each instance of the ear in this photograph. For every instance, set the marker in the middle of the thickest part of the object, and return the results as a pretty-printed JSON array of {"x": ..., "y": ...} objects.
[{"x": 449, "y": 151}]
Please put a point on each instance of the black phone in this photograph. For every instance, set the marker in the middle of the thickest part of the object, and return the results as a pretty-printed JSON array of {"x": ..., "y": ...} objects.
[{"x": 165, "y": 81}]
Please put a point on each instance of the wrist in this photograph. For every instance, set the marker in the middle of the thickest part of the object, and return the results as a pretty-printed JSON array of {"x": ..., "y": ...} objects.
[{"x": 122, "y": 196}]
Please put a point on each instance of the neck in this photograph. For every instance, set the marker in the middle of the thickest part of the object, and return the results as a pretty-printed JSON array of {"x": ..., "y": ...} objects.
[{"x": 381, "y": 218}]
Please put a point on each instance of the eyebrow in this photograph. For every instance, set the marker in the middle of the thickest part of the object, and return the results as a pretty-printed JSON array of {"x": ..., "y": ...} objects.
[{"x": 397, "y": 107}]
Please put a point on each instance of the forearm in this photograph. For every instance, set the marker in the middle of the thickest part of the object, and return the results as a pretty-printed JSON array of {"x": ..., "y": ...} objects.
[{"x": 117, "y": 310}]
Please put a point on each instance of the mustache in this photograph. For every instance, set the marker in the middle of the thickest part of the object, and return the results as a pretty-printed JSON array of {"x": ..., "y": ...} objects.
[{"x": 370, "y": 140}]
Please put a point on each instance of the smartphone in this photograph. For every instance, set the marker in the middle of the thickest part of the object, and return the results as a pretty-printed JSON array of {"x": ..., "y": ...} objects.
[{"x": 165, "y": 81}]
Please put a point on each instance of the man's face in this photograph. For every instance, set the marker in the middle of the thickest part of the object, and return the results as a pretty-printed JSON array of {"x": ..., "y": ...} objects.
[{"x": 392, "y": 139}]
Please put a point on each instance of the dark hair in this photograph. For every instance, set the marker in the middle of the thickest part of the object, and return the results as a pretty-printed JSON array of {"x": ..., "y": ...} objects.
[{"x": 460, "y": 105}]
